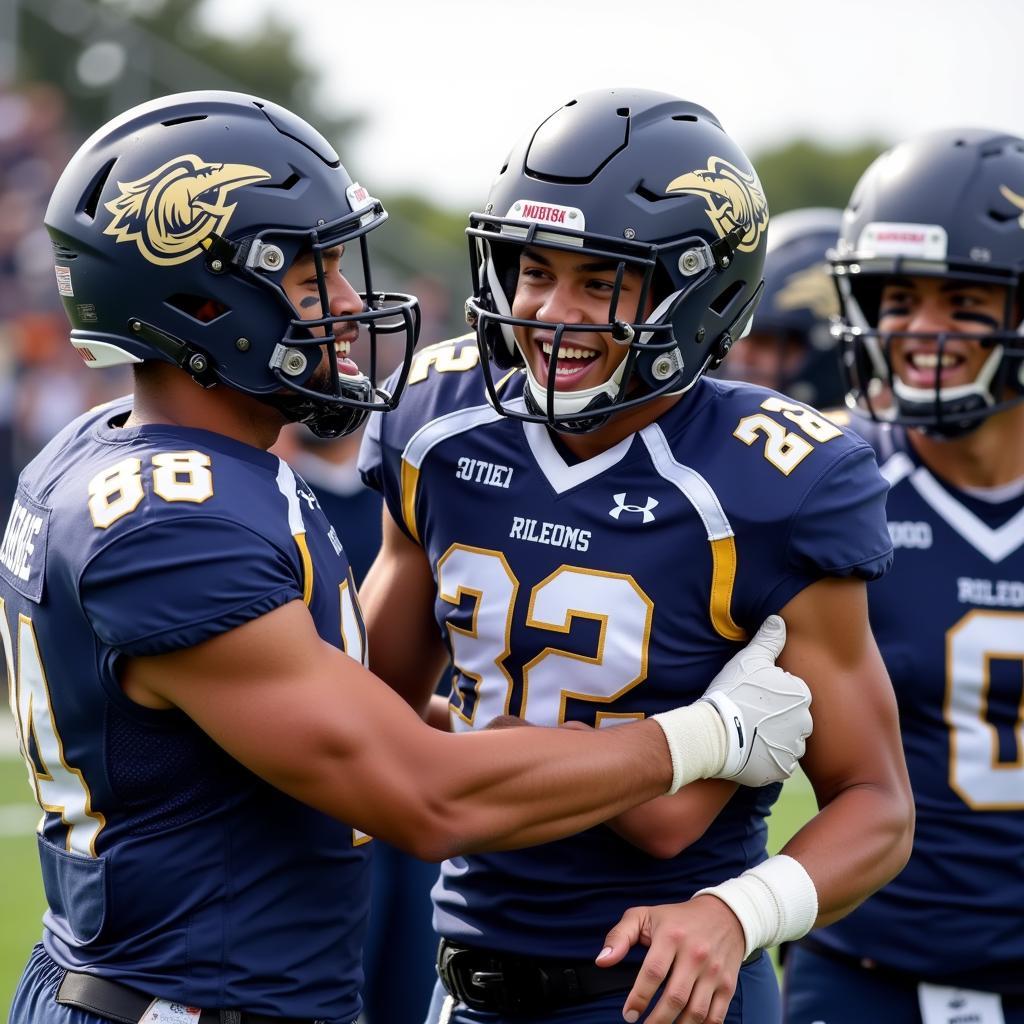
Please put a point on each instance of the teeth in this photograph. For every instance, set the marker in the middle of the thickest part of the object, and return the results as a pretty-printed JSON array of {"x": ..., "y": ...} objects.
[
  {"x": 567, "y": 352},
  {"x": 929, "y": 360},
  {"x": 342, "y": 348}
]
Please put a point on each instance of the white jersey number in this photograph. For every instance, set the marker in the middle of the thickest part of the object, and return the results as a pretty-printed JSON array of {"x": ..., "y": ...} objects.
[
  {"x": 58, "y": 786},
  {"x": 976, "y": 773},
  {"x": 613, "y": 600}
]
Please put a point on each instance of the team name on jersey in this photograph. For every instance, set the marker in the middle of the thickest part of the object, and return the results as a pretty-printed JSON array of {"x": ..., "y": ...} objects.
[
  {"x": 910, "y": 534},
  {"x": 18, "y": 543},
  {"x": 991, "y": 593},
  {"x": 490, "y": 473},
  {"x": 558, "y": 535}
]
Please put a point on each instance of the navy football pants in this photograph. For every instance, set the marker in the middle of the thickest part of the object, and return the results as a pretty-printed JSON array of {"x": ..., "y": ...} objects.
[
  {"x": 35, "y": 999},
  {"x": 821, "y": 990},
  {"x": 756, "y": 1002}
]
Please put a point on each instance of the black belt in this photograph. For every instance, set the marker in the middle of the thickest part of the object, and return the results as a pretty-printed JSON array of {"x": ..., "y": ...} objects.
[
  {"x": 125, "y": 1005},
  {"x": 505, "y": 983}
]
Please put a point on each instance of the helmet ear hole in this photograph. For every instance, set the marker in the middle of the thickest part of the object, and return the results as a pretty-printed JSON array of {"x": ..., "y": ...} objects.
[
  {"x": 721, "y": 303},
  {"x": 199, "y": 307},
  {"x": 91, "y": 197}
]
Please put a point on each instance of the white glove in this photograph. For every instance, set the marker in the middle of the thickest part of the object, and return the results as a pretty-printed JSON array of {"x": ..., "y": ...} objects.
[
  {"x": 762, "y": 720},
  {"x": 766, "y": 710}
]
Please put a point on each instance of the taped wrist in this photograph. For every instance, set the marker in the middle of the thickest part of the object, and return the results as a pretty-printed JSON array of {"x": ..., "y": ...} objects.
[
  {"x": 696, "y": 740},
  {"x": 774, "y": 902}
]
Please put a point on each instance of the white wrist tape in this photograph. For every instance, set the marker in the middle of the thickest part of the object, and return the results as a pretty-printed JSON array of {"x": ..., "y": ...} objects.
[
  {"x": 696, "y": 740},
  {"x": 775, "y": 902}
]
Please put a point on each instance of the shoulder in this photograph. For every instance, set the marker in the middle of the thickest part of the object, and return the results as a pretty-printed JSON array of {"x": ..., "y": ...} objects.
[
  {"x": 444, "y": 378},
  {"x": 767, "y": 440},
  {"x": 184, "y": 542},
  {"x": 445, "y": 393},
  {"x": 141, "y": 499}
]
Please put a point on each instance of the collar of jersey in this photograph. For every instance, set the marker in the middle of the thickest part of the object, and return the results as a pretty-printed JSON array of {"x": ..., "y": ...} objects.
[{"x": 559, "y": 474}]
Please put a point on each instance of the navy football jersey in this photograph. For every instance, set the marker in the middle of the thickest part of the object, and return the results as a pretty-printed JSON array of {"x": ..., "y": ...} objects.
[
  {"x": 606, "y": 590},
  {"x": 949, "y": 619},
  {"x": 167, "y": 865}
]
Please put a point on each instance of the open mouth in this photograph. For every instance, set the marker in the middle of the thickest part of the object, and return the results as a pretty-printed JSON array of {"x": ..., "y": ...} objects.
[
  {"x": 343, "y": 350},
  {"x": 574, "y": 363},
  {"x": 924, "y": 367}
]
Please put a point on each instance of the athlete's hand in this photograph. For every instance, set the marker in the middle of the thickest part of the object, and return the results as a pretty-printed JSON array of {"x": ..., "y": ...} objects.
[
  {"x": 694, "y": 948},
  {"x": 765, "y": 710}
]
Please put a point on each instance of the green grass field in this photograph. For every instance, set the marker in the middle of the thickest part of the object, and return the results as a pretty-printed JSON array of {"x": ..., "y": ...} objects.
[{"x": 22, "y": 906}]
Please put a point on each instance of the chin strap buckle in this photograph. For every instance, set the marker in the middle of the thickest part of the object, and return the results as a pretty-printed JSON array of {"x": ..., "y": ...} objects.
[
  {"x": 723, "y": 249},
  {"x": 191, "y": 360}
]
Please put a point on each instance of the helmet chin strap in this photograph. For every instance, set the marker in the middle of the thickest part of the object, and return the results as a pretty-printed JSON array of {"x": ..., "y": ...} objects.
[{"x": 569, "y": 403}]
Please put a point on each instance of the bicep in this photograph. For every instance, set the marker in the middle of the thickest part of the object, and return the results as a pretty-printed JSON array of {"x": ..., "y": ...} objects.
[
  {"x": 829, "y": 644},
  {"x": 294, "y": 710},
  {"x": 397, "y": 599}
]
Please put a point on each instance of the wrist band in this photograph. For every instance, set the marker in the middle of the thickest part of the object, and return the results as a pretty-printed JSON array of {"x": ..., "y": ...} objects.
[
  {"x": 696, "y": 740},
  {"x": 774, "y": 902}
]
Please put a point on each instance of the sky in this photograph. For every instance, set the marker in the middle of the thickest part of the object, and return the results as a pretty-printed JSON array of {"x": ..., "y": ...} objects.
[{"x": 448, "y": 86}]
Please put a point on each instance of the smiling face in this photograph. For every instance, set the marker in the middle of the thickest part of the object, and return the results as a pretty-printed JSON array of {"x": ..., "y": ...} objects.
[
  {"x": 932, "y": 306},
  {"x": 564, "y": 287},
  {"x": 300, "y": 285}
]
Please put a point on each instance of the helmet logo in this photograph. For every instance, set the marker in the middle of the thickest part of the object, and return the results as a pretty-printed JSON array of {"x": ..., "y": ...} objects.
[
  {"x": 171, "y": 211},
  {"x": 1017, "y": 201},
  {"x": 809, "y": 289},
  {"x": 734, "y": 198}
]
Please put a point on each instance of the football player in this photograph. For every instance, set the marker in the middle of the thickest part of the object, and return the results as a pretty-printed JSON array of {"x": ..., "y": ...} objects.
[
  {"x": 929, "y": 266},
  {"x": 790, "y": 347},
  {"x": 179, "y": 618},
  {"x": 594, "y": 526}
]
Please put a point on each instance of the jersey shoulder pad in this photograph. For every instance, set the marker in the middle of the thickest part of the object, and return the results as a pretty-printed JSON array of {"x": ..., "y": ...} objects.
[
  {"x": 445, "y": 377},
  {"x": 177, "y": 545},
  {"x": 780, "y": 436}
]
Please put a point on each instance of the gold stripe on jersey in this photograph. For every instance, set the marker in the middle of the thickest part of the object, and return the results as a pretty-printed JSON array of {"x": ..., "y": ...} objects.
[
  {"x": 288, "y": 487},
  {"x": 420, "y": 444},
  {"x": 723, "y": 579},
  {"x": 721, "y": 538},
  {"x": 410, "y": 481},
  {"x": 307, "y": 568}
]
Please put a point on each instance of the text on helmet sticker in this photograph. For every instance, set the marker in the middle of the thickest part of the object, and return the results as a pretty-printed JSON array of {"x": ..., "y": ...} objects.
[
  {"x": 913, "y": 241},
  {"x": 64, "y": 281}
]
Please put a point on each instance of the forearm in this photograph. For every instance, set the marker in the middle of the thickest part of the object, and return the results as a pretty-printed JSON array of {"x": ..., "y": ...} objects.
[
  {"x": 853, "y": 846},
  {"x": 439, "y": 714},
  {"x": 503, "y": 789},
  {"x": 664, "y": 827}
]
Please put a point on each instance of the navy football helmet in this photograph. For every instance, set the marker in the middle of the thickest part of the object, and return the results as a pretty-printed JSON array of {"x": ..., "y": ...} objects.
[
  {"x": 650, "y": 183},
  {"x": 949, "y": 205},
  {"x": 791, "y": 346},
  {"x": 172, "y": 228}
]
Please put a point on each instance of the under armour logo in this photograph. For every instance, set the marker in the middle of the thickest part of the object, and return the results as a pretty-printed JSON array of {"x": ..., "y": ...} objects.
[
  {"x": 645, "y": 510},
  {"x": 309, "y": 497}
]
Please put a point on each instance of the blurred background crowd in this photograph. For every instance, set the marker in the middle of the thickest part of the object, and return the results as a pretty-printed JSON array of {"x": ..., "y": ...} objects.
[{"x": 68, "y": 65}]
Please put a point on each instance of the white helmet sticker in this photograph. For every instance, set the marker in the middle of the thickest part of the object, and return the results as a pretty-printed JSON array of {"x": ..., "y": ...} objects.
[
  {"x": 912, "y": 241},
  {"x": 528, "y": 210},
  {"x": 547, "y": 213},
  {"x": 358, "y": 197}
]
